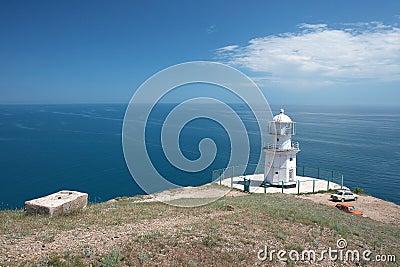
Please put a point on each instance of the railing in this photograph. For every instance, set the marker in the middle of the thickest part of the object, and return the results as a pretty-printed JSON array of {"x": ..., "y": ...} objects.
[
  {"x": 293, "y": 146},
  {"x": 304, "y": 171}
]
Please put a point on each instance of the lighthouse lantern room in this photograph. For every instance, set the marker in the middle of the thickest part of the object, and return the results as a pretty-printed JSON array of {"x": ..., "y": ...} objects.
[{"x": 280, "y": 158}]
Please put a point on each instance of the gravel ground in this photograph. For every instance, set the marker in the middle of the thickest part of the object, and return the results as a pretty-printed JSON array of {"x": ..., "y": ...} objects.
[{"x": 372, "y": 207}]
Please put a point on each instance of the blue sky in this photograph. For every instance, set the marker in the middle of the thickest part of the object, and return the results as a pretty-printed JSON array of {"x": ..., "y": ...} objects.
[{"x": 305, "y": 52}]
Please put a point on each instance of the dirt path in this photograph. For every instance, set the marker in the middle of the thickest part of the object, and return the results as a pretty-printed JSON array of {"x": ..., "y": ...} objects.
[
  {"x": 204, "y": 194},
  {"x": 372, "y": 207}
]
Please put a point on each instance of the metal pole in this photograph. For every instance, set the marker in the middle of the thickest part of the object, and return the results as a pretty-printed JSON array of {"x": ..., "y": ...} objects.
[
  {"x": 327, "y": 188},
  {"x": 249, "y": 184},
  {"x": 233, "y": 174},
  {"x": 318, "y": 173},
  {"x": 282, "y": 186},
  {"x": 341, "y": 185},
  {"x": 298, "y": 187},
  {"x": 313, "y": 186}
]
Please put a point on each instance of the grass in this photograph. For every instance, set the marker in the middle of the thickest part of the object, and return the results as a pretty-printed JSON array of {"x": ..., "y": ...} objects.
[
  {"x": 331, "y": 191},
  {"x": 158, "y": 234}
]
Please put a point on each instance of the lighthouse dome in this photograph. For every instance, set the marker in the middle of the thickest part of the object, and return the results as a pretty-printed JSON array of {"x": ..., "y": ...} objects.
[{"x": 282, "y": 117}]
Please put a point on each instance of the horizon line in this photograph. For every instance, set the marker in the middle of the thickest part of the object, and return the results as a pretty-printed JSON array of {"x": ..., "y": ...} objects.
[{"x": 272, "y": 104}]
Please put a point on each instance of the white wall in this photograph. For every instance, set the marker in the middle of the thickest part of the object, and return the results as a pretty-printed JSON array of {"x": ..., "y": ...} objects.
[{"x": 281, "y": 164}]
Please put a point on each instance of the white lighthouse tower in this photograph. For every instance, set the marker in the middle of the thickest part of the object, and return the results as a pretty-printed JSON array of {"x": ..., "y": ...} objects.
[{"x": 280, "y": 158}]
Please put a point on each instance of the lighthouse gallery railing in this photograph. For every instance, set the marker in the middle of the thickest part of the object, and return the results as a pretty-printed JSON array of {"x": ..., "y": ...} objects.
[{"x": 294, "y": 146}]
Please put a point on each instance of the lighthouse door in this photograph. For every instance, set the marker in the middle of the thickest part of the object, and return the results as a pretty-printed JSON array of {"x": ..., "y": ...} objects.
[{"x": 291, "y": 174}]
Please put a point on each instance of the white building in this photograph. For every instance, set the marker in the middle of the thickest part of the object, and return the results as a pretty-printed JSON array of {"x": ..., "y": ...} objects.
[{"x": 280, "y": 158}]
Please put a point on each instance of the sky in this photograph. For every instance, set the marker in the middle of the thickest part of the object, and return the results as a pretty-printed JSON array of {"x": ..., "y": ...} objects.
[{"x": 298, "y": 52}]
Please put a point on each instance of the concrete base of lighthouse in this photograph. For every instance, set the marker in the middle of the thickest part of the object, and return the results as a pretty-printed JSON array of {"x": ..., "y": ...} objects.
[
  {"x": 290, "y": 184},
  {"x": 307, "y": 184}
]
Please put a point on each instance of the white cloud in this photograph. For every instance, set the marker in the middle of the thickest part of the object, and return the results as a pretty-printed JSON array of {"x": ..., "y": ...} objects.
[
  {"x": 318, "y": 56},
  {"x": 227, "y": 48},
  {"x": 311, "y": 26}
]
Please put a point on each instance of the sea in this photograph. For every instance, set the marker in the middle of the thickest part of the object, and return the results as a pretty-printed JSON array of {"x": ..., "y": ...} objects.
[{"x": 46, "y": 148}]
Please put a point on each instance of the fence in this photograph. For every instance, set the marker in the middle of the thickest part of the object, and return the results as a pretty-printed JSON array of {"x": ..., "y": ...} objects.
[
  {"x": 236, "y": 171},
  {"x": 321, "y": 173},
  {"x": 306, "y": 174}
]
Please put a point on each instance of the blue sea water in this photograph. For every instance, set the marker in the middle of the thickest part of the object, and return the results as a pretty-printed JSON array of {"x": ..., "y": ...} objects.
[{"x": 45, "y": 148}]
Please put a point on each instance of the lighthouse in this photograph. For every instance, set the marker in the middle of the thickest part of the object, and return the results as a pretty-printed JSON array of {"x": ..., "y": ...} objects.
[{"x": 280, "y": 155}]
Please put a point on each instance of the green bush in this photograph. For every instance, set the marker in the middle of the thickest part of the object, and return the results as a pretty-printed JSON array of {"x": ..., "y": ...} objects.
[
  {"x": 358, "y": 191},
  {"x": 112, "y": 260}
]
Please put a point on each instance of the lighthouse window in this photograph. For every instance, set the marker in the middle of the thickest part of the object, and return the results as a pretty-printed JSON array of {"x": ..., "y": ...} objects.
[
  {"x": 291, "y": 159},
  {"x": 276, "y": 172},
  {"x": 277, "y": 140}
]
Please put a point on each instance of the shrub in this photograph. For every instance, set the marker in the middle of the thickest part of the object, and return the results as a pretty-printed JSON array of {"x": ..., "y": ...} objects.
[
  {"x": 358, "y": 191},
  {"x": 112, "y": 260}
]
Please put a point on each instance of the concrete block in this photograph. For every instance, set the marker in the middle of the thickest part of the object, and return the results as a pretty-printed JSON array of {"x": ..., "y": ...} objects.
[{"x": 62, "y": 202}]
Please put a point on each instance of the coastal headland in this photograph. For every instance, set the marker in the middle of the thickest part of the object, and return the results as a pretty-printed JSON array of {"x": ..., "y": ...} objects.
[{"x": 133, "y": 231}]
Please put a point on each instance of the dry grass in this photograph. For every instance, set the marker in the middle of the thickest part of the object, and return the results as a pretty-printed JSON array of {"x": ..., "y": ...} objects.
[{"x": 130, "y": 233}]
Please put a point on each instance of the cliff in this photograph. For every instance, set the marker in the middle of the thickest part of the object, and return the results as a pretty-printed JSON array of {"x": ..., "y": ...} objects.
[{"x": 236, "y": 230}]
